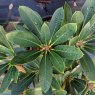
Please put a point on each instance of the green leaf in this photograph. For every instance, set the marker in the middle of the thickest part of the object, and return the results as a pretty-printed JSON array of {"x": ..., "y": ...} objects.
[
  {"x": 31, "y": 19},
  {"x": 78, "y": 18},
  {"x": 83, "y": 34},
  {"x": 90, "y": 39},
  {"x": 64, "y": 33},
  {"x": 49, "y": 92},
  {"x": 23, "y": 38},
  {"x": 88, "y": 10},
  {"x": 45, "y": 34},
  {"x": 15, "y": 74},
  {"x": 6, "y": 81},
  {"x": 73, "y": 41},
  {"x": 56, "y": 20},
  {"x": 45, "y": 73},
  {"x": 79, "y": 85},
  {"x": 22, "y": 84},
  {"x": 3, "y": 68},
  {"x": 69, "y": 52},
  {"x": 88, "y": 29},
  {"x": 91, "y": 93},
  {"x": 88, "y": 66},
  {"x": 61, "y": 92},
  {"x": 3, "y": 38},
  {"x": 67, "y": 13},
  {"x": 25, "y": 57},
  {"x": 2, "y": 56},
  {"x": 5, "y": 50},
  {"x": 35, "y": 91},
  {"x": 90, "y": 48},
  {"x": 56, "y": 84},
  {"x": 57, "y": 62},
  {"x": 68, "y": 63}
]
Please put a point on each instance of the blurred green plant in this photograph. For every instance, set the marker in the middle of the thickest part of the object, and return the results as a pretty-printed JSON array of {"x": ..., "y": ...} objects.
[{"x": 57, "y": 60}]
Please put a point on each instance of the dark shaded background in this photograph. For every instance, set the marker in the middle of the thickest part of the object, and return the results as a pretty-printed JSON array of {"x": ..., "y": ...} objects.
[{"x": 43, "y": 9}]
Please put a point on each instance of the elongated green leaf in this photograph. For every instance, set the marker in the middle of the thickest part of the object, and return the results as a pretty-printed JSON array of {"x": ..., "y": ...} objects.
[
  {"x": 45, "y": 76},
  {"x": 56, "y": 20},
  {"x": 5, "y": 50},
  {"x": 25, "y": 57},
  {"x": 56, "y": 84},
  {"x": 69, "y": 52},
  {"x": 83, "y": 33},
  {"x": 31, "y": 19},
  {"x": 88, "y": 10},
  {"x": 78, "y": 18},
  {"x": 3, "y": 68},
  {"x": 23, "y": 38},
  {"x": 64, "y": 33},
  {"x": 45, "y": 34},
  {"x": 2, "y": 56},
  {"x": 79, "y": 85},
  {"x": 3, "y": 38},
  {"x": 15, "y": 74},
  {"x": 88, "y": 66},
  {"x": 6, "y": 80},
  {"x": 73, "y": 41},
  {"x": 67, "y": 13},
  {"x": 90, "y": 48},
  {"x": 22, "y": 84},
  {"x": 88, "y": 29},
  {"x": 91, "y": 39},
  {"x": 49, "y": 92},
  {"x": 57, "y": 61}
]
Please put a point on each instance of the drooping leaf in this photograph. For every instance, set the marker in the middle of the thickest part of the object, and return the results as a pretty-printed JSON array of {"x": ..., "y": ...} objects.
[
  {"x": 88, "y": 10},
  {"x": 45, "y": 34},
  {"x": 6, "y": 81},
  {"x": 23, "y": 38},
  {"x": 56, "y": 20},
  {"x": 25, "y": 57},
  {"x": 67, "y": 13},
  {"x": 78, "y": 18},
  {"x": 45, "y": 73},
  {"x": 31, "y": 19},
  {"x": 69, "y": 52},
  {"x": 57, "y": 61},
  {"x": 3, "y": 68},
  {"x": 88, "y": 66},
  {"x": 88, "y": 29},
  {"x": 64, "y": 33},
  {"x": 22, "y": 84}
]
